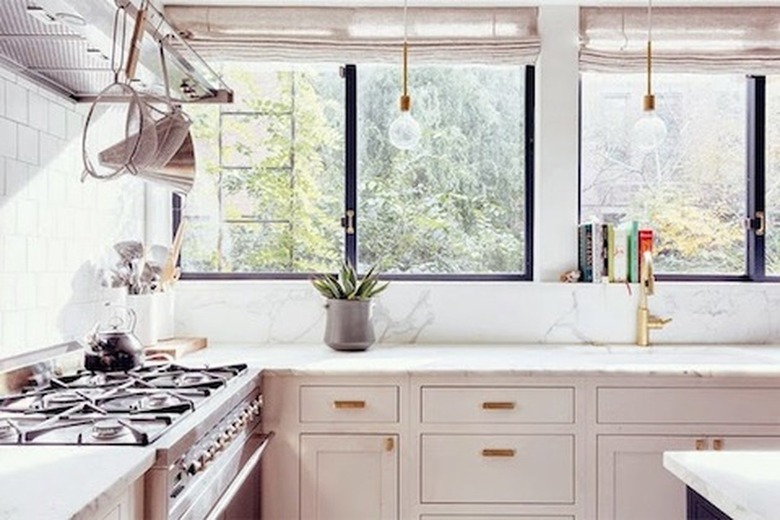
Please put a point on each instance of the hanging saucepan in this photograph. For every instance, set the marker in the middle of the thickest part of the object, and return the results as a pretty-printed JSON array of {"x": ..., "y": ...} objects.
[{"x": 114, "y": 348}]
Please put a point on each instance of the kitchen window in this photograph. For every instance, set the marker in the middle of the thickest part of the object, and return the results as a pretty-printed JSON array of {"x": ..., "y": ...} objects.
[
  {"x": 691, "y": 190},
  {"x": 283, "y": 169},
  {"x": 711, "y": 190}
]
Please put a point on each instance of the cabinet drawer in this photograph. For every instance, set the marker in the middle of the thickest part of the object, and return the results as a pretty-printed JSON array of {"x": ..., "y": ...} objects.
[
  {"x": 475, "y": 404},
  {"x": 497, "y": 469},
  {"x": 349, "y": 404},
  {"x": 689, "y": 405}
]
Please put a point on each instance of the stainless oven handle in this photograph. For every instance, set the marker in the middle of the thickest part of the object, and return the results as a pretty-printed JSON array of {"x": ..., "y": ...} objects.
[{"x": 235, "y": 486}]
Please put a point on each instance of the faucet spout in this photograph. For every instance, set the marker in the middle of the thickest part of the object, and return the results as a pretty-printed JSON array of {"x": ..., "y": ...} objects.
[{"x": 644, "y": 320}]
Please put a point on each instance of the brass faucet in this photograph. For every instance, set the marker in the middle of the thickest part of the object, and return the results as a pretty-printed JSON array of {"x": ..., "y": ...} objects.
[{"x": 644, "y": 320}]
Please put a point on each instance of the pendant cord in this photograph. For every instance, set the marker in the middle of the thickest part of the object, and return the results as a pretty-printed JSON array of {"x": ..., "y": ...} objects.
[
  {"x": 406, "y": 54},
  {"x": 649, "y": 47}
]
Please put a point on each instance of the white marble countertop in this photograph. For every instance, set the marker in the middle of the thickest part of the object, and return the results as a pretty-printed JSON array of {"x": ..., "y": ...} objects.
[
  {"x": 46, "y": 482},
  {"x": 742, "y": 484},
  {"x": 77, "y": 480},
  {"x": 503, "y": 360}
]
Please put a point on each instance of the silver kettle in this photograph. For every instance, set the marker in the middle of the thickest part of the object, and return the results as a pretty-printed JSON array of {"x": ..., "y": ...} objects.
[{"x": 114, "y": 348}]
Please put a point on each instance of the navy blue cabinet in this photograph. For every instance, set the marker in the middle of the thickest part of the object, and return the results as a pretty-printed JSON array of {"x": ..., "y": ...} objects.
[{"x": 699, "y": 508}]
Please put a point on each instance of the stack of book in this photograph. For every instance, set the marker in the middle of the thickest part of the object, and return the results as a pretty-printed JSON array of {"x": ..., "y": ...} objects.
[{"x": 609, "y": 253}]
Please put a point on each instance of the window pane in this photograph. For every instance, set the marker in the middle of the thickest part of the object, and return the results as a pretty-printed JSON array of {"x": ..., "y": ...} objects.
[
  {"x": 269, "y": 191},
  {"x": 456, "y": 203},
  {"x": 772, "y": 236},
  {"x": 691, "y": 189}
]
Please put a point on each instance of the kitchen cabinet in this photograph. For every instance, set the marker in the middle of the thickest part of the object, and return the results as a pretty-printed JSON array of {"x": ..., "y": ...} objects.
[
  {"x": 128, "y": 505},
  {"x": 337, "y": 450},
  {"x": 632, "y": 482},
  {"x": 494, "y": 448},
  {"x": 499, "y": 447},
  {"x": 349, "y": 477},
  {"x": 699, "y": 508}
]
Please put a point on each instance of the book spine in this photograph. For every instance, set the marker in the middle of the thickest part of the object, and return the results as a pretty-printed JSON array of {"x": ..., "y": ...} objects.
[
  {"x": 598, "y": 257},
  {"x": 645, "y": 237},
  {"x": 611, "y": 252},
  {"x": 621, "y": 255},
  {"x": 633, "y": 252},
  {"x": 587, "y": 270}
]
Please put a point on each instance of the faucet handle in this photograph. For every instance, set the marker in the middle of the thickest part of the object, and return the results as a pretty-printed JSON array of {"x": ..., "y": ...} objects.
[{"x": 654, "y": 322}]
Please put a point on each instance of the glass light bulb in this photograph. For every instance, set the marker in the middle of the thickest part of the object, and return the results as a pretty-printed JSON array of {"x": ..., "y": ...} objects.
[
  {"x": 405, "y": 131},
  {"x": 649, "y": 132}
]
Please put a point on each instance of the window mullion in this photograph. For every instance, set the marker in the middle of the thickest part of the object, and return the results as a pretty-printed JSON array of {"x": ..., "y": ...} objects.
[
  {"x": 756, "y": 182},
  {"x": 350, "y": 165}
]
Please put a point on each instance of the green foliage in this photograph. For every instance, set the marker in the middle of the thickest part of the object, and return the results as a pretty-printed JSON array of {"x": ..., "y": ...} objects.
[
  {"x": 347, "y": 286},
  {"x": 275, "y": 162}
]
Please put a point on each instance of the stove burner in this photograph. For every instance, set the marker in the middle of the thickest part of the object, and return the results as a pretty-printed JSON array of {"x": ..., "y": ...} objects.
[
  {"x": 63, "y": 398},
  {"x": 108, "y": 429},
  {"x": 6, "y": 430},
  {"x": 192, "y": 378},
  {"x": 158, "y": 400}
]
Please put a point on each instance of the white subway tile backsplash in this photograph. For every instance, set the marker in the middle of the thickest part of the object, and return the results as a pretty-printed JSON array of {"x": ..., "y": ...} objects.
[
  {"x": 74, "y": 124},
  {"x": 27, "y": 147},
  {"x": 15, "y": 254},
  {"x": 16, "y": 98},
  {"x": 58, "y": 120},
  {"x": 38, "y": 112},
  {"x": 16, "y": 178},
  {"x": 13, "y": 332},
  {"x": 7, "y": 138},
  {"x": 51, "y": 149},
  {"x": 54, "y": 229},
  {"x": 27, "y": 217},
  {"x": 26, "y": 292}
]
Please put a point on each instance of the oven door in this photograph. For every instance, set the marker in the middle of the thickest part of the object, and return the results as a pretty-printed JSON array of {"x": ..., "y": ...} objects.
[{"x": 230, "y": 488}]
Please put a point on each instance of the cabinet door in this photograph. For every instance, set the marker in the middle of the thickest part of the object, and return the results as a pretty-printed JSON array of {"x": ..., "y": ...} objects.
[
  {"x": 634, "y": 485},
  {"x": 349, "y": 477}
]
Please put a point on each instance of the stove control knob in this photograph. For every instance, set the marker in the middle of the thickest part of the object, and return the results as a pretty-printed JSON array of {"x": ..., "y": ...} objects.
[{"x": 195, "y": 467}]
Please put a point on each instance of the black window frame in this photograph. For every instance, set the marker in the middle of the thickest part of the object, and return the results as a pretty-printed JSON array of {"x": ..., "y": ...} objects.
[
  {"x": 349, "y": 74},
  {"x": 755, "y": 174}
]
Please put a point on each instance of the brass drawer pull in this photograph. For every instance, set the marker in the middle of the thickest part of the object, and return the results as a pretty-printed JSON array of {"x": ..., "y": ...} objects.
[
  {"x": 700, "y": 444},
  {"x": 717, "y": 444},
  {"x": 498, "y": 405},
  {"x": 498, "y": 452},
  {"x": 351, "y": 405}
]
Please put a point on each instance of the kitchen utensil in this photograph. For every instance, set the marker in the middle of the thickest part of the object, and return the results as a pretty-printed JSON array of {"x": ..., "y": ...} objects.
[
  {"x": 173, "y": 127},
  {"x": 170, "y": 271},
  {"x": 120, "y": 135},
  {"x": 114, "y": 348}
]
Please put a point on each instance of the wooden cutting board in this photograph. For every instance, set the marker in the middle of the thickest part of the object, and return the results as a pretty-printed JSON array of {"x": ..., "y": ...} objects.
[{"x": 177, "y": 347}]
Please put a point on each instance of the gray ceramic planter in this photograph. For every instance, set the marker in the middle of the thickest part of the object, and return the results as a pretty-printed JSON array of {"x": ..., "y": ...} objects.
[{"x": 348, "y": 325}]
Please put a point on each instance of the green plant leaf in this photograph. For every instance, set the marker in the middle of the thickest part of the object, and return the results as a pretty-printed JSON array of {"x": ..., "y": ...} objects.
[{"x": 378, "y": 290}]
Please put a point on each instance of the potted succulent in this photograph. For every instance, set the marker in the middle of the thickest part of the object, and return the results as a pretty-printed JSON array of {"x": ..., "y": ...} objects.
[{"x": 348, "y": 309}]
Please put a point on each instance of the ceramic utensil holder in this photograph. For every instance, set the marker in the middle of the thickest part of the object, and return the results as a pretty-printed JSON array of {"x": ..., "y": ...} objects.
[{"x": 147, "y": 316}]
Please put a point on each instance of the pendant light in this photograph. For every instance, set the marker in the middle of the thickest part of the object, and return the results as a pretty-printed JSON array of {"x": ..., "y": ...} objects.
[
  {"x": 404, "y": 130},
  {"x": 650, "y": 130}
]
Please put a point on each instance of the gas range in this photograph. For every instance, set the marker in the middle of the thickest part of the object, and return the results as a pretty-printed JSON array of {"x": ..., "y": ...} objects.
[
  {"x": 115, "y": 408},
  {"x": 204, "y": 424}
]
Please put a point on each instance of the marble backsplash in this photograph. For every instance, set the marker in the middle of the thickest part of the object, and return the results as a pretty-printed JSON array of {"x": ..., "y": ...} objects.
[{"x": 443, "y": 312}]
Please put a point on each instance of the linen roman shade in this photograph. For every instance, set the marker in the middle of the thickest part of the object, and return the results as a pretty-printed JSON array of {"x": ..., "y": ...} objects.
[
  {"x": 685, "y": 39},
  {"x": 360, "y": 34}
]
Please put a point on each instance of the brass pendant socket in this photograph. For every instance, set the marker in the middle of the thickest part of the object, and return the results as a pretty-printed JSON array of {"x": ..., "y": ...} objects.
[
  {"x": 406, "y": 103},
  {"x": 649, "y": 102}
]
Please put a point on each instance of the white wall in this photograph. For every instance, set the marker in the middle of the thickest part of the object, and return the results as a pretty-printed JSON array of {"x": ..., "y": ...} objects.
[
  {"x": 54, "y": 230},
  {"x": 540, "y": 312}
]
